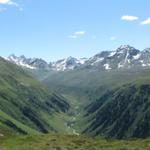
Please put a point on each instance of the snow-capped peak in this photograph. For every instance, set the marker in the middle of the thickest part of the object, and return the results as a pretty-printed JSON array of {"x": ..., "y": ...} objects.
[
  {"x": 69, "y": 63},
  {"x": 125, "y": 47},
  {"x": 30, "y": 63},
  {"x": 124, "y": 57},
  {"x": 112, "y": 54},
  {"x": 19, "y": 61}
]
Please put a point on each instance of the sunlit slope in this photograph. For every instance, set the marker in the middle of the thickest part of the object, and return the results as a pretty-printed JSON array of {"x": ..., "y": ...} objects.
[
  {"x": 26, "y": 106},
  {"x": 66, "y": 142}
]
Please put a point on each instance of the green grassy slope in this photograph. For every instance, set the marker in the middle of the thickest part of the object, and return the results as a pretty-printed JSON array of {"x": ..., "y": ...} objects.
[
  {"x": 66, "y": 142},
  {"x": 121, "y": 113},
  {"x": 103, "y": 91},
  {"x": 88, "y": 84},
  {"x": 27, "y": 106}
]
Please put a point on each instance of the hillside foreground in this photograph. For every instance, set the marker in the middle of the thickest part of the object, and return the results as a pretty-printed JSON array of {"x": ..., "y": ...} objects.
[{"x": 70, "y": 142}]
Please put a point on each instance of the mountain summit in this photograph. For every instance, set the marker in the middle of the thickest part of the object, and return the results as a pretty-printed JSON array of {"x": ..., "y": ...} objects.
[{"x": 125, "y": 56}]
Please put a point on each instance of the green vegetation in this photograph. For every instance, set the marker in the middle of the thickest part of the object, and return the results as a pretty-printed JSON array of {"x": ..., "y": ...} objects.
[
  {"x": 121, "y": 113},
  {"x": 110, "y": 103},
  {"x": 66, "y": 142},
  {"x": 87, "y": 85},
  {"x": 27, "y": 106}
]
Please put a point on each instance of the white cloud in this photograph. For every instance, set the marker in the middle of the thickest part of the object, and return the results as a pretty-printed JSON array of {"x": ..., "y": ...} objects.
[
  {"x": 13, "y": 3},
  {"x": 146, "y": 21},
  {"x": 129, "y": 18},
  {"x": 113, "y": 38},
  {"x": 9, "y": 2},
  {"x": 4, "y": 1},
  {"x": 77, "y": 34}
]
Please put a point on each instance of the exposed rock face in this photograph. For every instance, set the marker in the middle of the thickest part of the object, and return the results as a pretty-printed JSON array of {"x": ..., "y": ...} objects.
[{"x": 124, "y": 57}]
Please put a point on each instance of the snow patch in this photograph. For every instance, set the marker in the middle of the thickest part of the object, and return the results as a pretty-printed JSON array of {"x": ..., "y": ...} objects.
[
  {"x": 107, "y": 67},
  {"x": 26, "y": 65},
  {"x": 18, "y": 62},
  {"x": 144, "y": 65},
  {"x": 111, "y": 54},
  {"x": 137, "y": 56},
  {"x": 98, "y": 60},
  {"x": 141, "y": 61},
  {"x": 120, "y": 65},
  {"x": 82, "y": 60},
  {"x": 126, "y": 58},
  {"x": 68, "y": 63}
]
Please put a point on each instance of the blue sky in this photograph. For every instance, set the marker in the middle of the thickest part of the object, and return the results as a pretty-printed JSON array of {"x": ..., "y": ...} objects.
[{"x": 54, "y": 29}]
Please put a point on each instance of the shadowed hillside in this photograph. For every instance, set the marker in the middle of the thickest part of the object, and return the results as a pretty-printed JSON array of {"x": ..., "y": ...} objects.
[{"x": 26, "y": 106}]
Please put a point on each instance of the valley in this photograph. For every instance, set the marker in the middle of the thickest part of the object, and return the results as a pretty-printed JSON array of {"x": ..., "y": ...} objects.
[
  {"x": 72, "y": 109},
  {"x": 74, "y": 75}
]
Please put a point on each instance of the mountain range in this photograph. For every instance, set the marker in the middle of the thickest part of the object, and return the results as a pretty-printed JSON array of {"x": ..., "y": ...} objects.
[
  {"x": 123, "y": 57},
  {"x": 107, "y": 95}
]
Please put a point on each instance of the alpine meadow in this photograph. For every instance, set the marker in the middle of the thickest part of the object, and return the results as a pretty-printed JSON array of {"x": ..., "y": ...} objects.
[{"x": 74, "y": 75}]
